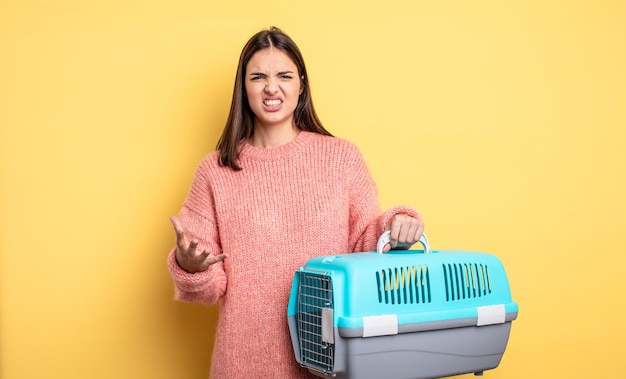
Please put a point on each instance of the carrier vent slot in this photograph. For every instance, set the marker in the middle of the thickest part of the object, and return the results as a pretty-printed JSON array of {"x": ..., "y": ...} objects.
[
  {"x": 315, "y": 295},
  {"x": 466, "y": 281},
  {"x": 404, "y": 285}
]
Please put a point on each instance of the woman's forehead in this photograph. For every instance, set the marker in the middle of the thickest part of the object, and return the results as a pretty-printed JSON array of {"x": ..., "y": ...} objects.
[{"x": 271, "y": 59}]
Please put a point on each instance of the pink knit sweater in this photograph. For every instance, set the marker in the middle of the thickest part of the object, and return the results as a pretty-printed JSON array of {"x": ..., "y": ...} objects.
[{"x": 311, "y": 197}]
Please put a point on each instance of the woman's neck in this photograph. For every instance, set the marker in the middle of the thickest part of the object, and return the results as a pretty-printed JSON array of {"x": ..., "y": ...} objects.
[{"x": 273, "y": 136}]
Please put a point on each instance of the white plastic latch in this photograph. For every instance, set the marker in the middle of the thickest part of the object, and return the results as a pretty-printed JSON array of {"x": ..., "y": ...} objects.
[
  {"x": 491, "y": 314},
  {"x": 383, "y": 325}
]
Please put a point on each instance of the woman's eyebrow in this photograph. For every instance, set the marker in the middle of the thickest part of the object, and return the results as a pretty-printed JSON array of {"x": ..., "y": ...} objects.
[{"x": 264, "y": 74}]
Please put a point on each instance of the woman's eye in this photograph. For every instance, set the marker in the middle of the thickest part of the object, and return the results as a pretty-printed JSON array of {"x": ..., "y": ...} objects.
[
  {"x": 256, "y": 77},
  {"x": 286, "y": 77}
]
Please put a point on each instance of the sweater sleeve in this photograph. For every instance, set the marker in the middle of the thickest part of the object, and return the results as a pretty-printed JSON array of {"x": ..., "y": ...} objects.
[
  {"x": 197, "y": 218},
  {"x": 367, "y": 222}
]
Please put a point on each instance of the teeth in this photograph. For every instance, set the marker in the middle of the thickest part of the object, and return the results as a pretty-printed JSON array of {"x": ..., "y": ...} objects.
[{"x": 272, "y": 103}]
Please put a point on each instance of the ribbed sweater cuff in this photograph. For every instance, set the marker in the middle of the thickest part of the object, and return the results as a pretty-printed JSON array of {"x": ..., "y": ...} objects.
[{"x": 186, "y": 281}]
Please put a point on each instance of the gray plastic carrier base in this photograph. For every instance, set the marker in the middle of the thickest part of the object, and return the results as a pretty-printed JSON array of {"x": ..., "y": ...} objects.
[{"x": 420, "y": 355}]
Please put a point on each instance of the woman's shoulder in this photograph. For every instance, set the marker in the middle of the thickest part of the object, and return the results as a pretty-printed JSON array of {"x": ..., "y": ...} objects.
[
  {"x": 210, "y": 159},
  {"x": 336, "y": 144},
  {"x": 340, "y": 154},
  {"x": 209, "y": 164}
]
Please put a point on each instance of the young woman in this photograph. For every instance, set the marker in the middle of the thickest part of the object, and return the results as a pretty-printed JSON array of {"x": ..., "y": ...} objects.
[{"x": 278, "y": 190}]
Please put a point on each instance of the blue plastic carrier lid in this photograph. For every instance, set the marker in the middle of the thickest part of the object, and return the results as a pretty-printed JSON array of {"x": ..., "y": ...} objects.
[{"x": 445, "y": 288}]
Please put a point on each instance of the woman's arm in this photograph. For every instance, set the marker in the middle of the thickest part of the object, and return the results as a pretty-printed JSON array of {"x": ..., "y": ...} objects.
[{"x": 196, "y": 263}]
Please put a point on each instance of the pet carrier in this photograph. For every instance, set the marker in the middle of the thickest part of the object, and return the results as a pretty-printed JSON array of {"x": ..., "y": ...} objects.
[{"x": 412, "y": 314}]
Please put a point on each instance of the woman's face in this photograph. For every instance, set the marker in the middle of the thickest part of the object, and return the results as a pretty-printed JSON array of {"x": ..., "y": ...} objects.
[{"x": 272, "y": 87}]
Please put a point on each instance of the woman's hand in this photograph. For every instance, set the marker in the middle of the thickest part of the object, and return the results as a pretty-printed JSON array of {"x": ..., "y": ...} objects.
[
  {"x": 188, "y": 256},
  {"x": 405, "y": 231}
]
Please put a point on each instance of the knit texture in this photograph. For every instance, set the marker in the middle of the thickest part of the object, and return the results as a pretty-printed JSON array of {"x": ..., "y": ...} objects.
[{"x": 313, "y": 196}]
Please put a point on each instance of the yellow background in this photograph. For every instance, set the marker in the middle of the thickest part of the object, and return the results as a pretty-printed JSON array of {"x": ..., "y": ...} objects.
[{"x": 502, "y": 121}]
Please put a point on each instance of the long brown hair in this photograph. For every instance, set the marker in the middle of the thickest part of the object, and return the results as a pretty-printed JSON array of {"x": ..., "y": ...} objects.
[{"x": 240, "y": 123}]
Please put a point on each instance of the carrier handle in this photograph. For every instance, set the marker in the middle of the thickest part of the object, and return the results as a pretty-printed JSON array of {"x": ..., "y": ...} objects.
[{"x": 386, "y": 236}]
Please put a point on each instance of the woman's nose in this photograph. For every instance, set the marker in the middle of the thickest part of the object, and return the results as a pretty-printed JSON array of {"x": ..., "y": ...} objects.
[{"x": 271, "y": 86}]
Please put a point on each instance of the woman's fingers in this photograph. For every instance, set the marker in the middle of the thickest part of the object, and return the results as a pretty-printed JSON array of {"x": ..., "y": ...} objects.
[
  {"x": 191, "y": 249},
  {"x": 189, "y": 257},
  {"x": 180, "y": 235},
  {"x": 212, "y": 259},
  {"x": 405, "y": 230},
  {"x": 203, "y": 260},
  {"x": 185, "y": 253},
  {"x": 413, "y": 232}
]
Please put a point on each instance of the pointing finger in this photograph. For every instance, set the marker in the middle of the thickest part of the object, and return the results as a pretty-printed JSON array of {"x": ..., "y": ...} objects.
[
  {"x": 178, "y": 228},
  {"x": 175, "y": 222}
]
